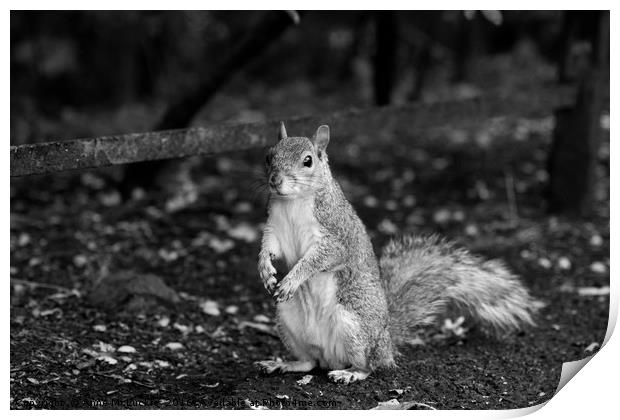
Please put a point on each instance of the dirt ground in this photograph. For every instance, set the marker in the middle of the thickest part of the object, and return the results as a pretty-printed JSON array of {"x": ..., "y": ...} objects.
[{"x": 70, "y": 231}]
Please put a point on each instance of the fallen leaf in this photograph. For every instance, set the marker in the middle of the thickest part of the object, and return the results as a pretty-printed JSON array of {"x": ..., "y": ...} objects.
[
  {"x": 183, "y": 328},
  {"x": 210, "y": 307},
  {"x": 84, "y": 365},
  {"x": 232, "y": 309},
  {"x": 162, "y": 363},
  {"x": 394, "y": 404},
  {"x": 593, "y": 291},
  {"x": 544, "y": 262},
  {"x": 221, "y": 245},
  {"x": 442, "y": 216},
  {"x": 387, "y": 227},
  {"x": 36, "y": 312},
  {"x": 219, "y": 333},
  {"x": 267, "y": 329},
  {"x": 108, "y": 359},
  {"x": 168, "y": 256},
  {"x": 93, "y": 181},
  {"x": 126, "y": 349},
  {"x": 454, "y": 328},
  {"x": 305, "y": 380},
  {"x": 596, "y": 240},
  {"x": 187, "y": 195},
  {"x": 245, "y": 232},
  {"x": 24, "y": 239},
  {"x": 80, "y": 260},
  {"x": 416, "y": 341},
  {"x": 262, "y": 318},
  {"x": 110, "y": 199},
  {"x": 174, "y": 346},
  {"x": 598, "y": 267},
  {"x": 163, "y": 322},
  {"x": 104, "y": 347},
  {"x": 564, "y": 263},
  {"x": 592, "y": 347},
  {"x": 371, "y": 201},
  {"x": 130, "y": 367},
  {"x": 471, "y": 230}
]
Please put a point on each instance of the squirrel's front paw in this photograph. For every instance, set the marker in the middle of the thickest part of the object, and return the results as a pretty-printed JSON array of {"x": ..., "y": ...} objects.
[
  {"x": 285, "y": 291},
  {"x": 267, "y": 273}
]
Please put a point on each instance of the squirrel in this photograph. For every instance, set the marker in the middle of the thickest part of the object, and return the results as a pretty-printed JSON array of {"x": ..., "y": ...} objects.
[{"x": 338, "y": 307}]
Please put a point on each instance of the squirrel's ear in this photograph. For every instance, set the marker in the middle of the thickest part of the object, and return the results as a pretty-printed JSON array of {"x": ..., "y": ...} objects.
[
  {"x": 321, "y": 138},
  {"x": 282, "y": 132}
]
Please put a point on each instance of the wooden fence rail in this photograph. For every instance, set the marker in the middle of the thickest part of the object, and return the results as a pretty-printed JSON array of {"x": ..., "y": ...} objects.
[{"x": 49, "y": 157}]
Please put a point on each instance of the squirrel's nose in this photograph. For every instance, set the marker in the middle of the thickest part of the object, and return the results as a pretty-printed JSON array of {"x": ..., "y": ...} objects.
[{"x": 275, "y": 180}]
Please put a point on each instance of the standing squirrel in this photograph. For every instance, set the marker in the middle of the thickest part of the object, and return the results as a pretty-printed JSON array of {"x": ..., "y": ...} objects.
[{"x": 340, "y": 309}]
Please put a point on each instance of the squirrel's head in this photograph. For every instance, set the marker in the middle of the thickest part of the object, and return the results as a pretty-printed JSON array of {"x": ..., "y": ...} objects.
[{"x": 297, "y": 166}]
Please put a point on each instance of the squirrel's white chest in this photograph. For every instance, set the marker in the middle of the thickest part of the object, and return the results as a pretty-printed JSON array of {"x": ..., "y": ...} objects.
[
  {"x": 312, "y": 320},
  {"x": 296, "y": 229}
]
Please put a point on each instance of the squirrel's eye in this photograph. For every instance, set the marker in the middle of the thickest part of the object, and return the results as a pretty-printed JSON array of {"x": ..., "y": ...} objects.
[{"x": 308, "y": 161}]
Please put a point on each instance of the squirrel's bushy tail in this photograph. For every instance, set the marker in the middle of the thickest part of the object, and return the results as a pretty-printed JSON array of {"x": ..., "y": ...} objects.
[{"x": 425, "y": 277}]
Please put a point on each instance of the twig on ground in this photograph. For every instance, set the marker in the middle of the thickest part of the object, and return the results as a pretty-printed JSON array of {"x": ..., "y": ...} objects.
[{"x": 42, "y": 285}]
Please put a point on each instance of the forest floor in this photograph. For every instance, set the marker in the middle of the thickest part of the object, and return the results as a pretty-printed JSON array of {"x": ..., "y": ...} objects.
[{"x": 76, "y": 344}]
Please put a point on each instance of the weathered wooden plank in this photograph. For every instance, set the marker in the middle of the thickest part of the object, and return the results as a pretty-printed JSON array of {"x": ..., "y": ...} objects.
[{"x": 43, "y": 158}]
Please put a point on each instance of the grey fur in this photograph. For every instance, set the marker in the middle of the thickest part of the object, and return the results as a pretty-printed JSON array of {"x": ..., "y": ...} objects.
[
  {"x": 417, "y": 280},
  {"x": 427, "y": 276}
]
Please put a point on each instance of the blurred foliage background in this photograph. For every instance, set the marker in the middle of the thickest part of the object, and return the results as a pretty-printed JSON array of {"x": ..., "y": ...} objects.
[
  {"x": 80, "y": 73},
  {"x": 95, "y": 73}
]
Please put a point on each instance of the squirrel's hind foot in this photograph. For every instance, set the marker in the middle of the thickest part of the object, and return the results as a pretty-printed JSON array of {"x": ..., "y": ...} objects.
[
  {"x": 270, "y": 366},
  {"x": 347, "y": 376}
]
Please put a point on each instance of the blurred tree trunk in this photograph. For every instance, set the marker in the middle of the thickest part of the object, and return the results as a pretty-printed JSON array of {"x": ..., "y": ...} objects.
[
  {"x": 573, "y": 156},
  {"x": 422, "y": 66},
  {"x": 269, "y": 27},
  {"x": 424, "y": 54},
  {"x": 567, "y": 35},
  {"x": 345, "y": 69},
  {"x": 386, "y": 33},
  {"x": 470, "y": 43},
  {"x": 577, "y": 25}
]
